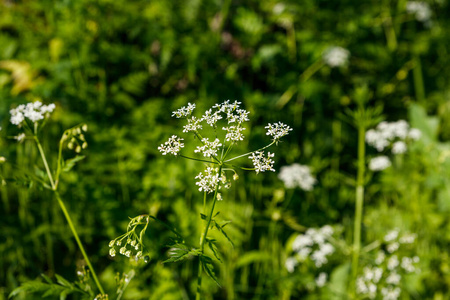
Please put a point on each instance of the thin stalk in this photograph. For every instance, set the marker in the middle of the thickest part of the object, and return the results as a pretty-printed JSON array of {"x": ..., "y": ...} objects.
[
  {"x": 44, "y": 160},
  {"x": 249, "y": 152},
  {"x": 67, "y": 215},
  {"x": 197, "y": 159},
  {"x": 203, "y": 239},
  {"x": 418, "y": 80},
  {"x": 77, "y": 238},
  {"x": 359, "y": 203}
]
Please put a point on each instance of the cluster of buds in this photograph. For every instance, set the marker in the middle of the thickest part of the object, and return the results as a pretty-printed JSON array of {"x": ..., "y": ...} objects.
[
  {"x": 130, "y": 243},
  {"x": 75, "y": 138}
]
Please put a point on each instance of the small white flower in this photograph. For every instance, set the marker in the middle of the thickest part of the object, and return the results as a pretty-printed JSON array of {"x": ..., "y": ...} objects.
[
  {"x": 20, "y": 137},
  {"x": 208, "y": 180},
  {"x": 393, "y": 262},
  {"x": 302, "y": 241},
  {"x": 380, "y": 257},
  {"x": 34, "y": 111},
  {"x": 379, "y": 163},
  {"x": 392, "y": 247},
  {"x": 321, "y": 280},
  {"x": 420, "y": 9},
  {"x": 391, "y": 235},
  {"x": 277, "y": 130},
  {"x": 414, "y": 134},
  {"x": 112, "y": 252},
  {"x": 209, "y": 148},
  {"x": 193, "y": 124},
  {"x": 184, "y": 112},
  {"x": 172, "y": 146},
  {"x": 234, "y": 133},
  {"x": 290, "y": 264},
  {"x": 336, "y": 56},
  {"x": 212, "y": 117},
  {"x": 297, "y": 175},
  {"x": 407, "y": 264},
  {"x": 399, "y": 147},
  {"x": 390, "y": 293},
  {"x": 262, "y": 163}
]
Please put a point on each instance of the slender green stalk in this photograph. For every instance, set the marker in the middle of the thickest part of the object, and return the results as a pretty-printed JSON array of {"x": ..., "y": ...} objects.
[
  {"x": 359, "y": 203},
  {"x": 418, "y": 80},
  {"x": 248, "y": 153},
  {"x": 203, "y": 239},
  {"x": 77, "y": 238},
  {"x": 67, "y": 215}
]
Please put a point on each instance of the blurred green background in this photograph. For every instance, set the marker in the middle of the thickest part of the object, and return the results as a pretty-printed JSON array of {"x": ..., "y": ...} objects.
[{"x": 123, "y": 67}]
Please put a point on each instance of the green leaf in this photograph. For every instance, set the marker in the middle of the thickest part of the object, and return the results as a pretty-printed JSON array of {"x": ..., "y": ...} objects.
[
  {"x": 252, "y": 257},
  {"x": 70, "y": 163},
  {"x": 213, "y": 247},
  {"x": 208, "y": 266},
  {"x": 338, "y": 282},
  {"x": 178, "y": 252},
  {"x": 220, "y": 228}
]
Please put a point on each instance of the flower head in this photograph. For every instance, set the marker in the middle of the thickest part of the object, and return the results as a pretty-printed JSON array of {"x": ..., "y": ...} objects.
[
  {"x": 297, "y": 175},
  {"x": 33, "y": 111},
  {"x": 379, "y": 163},
  {"x": 277, "y": 130},
  {"x": 172, "y": 146},
  {"x": 262, "y": 163},
  {"x": 336, "y": 56},
  {"x": 184, "y": 112}
]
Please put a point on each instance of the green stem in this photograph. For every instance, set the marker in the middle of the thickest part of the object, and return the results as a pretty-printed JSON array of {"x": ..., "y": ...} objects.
[
  {"x": 67, "y": 215},
  {"x": 44, "y": 160},
  {"x": 77, "y": 238},
  {"x": 248, "y": 153},
  {"x": 418, "y": 80},
  {"x": 203, "y": 239},
  {"x": 196, "y": 159},
  {"x": 359, "y": 204}
]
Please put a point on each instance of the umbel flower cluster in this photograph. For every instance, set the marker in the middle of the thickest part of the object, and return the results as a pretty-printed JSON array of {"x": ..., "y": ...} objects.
[
  {"x": 393, "y": 135},
  {"x": 336, "y": 56},
  {"x": 130, "y": 243},
  {"x": 225, "y": 122},
  {"x": 33, "y": 111},
  {"x": 383, "y": 279},
  {"x": 297, "y": 175},
  {"x": 315, "y": 246}
]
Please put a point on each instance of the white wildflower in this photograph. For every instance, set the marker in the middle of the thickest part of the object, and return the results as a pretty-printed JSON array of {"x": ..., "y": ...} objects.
[
  {"x": 421, "y": 10},
  {"x": 392, "y": 247},
  {"x": 290, "y": 264},
  {"x": 211, "y": 117},
  {"x": 34, "y": 111},
  {"x": 262, "y": 163},
  {"x": 277, "y": 130},
  {"x": 399, "y": 147},
  {"x": 172, "y": 146},
  {"x": 393, "y": 278},
  {"x": 391, "y": 235},
  {"x": 234, "y": 133},
  {"x": 390, "y": 293},
  {"x": 327, "y": 230},
  {"x": 321, "y": 280},
  {"x": 184, "y": 112},
  {"x": 112, "y": 252},
  {"x": 209, "y": 148},
  {"x": 193, "y": 124},
  {"x": 208, "y": 180},
  {"x": 414, "y": 134},
  {"x": 336, "y": 56},
  {"x": 393, "y": 262},
  {"x": 407, "y": 264},
  {"x": 297, "y": 175},
  {"x": 379, "y": 163},
  {"x": 20, "y": 137}
]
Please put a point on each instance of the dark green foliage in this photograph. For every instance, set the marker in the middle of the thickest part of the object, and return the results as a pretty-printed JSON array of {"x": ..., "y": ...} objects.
[{"x": 122, "y": 67}]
